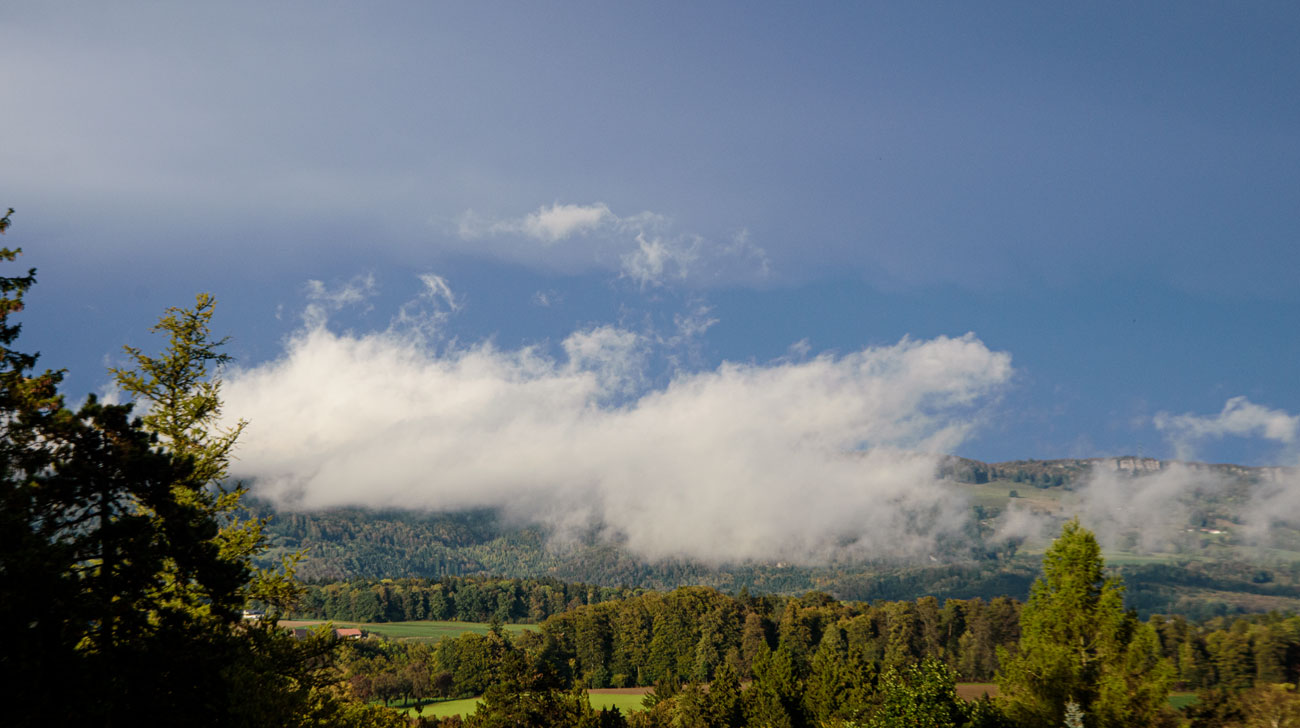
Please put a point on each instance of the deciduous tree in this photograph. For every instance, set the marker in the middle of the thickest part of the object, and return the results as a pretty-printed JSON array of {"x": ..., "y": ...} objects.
[{"x": 922, "y": 695}]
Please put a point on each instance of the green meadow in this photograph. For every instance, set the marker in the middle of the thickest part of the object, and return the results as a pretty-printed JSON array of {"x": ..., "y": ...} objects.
[
  {"x": 631, "y": 702},
  {"x": 423, "y": 631},
  {"x": 443, "y": 708}
]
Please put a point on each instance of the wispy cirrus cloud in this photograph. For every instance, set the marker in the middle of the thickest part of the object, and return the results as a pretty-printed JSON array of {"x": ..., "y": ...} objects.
[
  {"x": 644, "y": 248},
  {"x": 546, "y": 224},
  {"x": 323, "y": 299}
]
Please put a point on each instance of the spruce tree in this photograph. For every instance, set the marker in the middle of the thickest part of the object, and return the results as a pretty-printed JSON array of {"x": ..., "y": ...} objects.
[
  {"x": 1078, "y": 645},
  {"x": 122, "y": 573},
  {"x": 725, "y": 705},
  {"x": 91, "y": 530}
]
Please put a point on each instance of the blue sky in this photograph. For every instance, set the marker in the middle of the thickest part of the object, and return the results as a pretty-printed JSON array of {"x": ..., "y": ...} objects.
[{"x": 1106, "y": 193}]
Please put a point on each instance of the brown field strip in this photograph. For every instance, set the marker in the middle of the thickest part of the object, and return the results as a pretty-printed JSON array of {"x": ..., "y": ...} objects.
[{"x": 975, "y": 691}]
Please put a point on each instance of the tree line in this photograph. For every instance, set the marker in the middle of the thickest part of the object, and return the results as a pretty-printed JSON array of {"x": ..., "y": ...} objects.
[
  {"x": 814, "y": 660},
  {"x": 465, "y": 599},
  {"x": 607, "y": 632},
  {"x": 718, "y": 660}
]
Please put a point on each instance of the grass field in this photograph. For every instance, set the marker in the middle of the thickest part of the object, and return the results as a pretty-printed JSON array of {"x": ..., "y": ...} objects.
[
  {"x": 624, "y": 700},
  {"x": 998, "y": 494},
  {"x": 446, "y": 708},
  {"x": 427, "y": 631},
  {"x": 975, "y": 691},
  {"x": 627, "y": 700}
]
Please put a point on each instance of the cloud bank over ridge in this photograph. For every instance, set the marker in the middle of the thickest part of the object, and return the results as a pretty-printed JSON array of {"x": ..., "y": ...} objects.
[
  {"x": 791, "y": 459},
  {"x": 1240, "y": 418},
  {"x": 1162, "y": 509}
]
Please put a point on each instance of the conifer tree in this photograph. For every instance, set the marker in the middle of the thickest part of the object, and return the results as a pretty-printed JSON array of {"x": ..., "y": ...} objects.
[
  {"x": 87, "y": 517},
  {"x": 260, "y": 673},
  {"x": 1078, "y": 645},
  {"x": 775, "y": 697},
  {"x": 179, "y": 391},
  {"x": 725, "y": 706},
  {"x": 120, "y": 585}
]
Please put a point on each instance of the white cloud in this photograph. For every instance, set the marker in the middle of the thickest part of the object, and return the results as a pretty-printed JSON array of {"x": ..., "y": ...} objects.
[
  {"x": 561, "y": 221},
  {"x": 616, "y": 356},
  {"x": 643, "y": 247},
  {"x": 424, "y": 317},
  {"x": 1151, "y": 511},
  {"x": 324, "y": 300},
  {"x": 1240, "y": 417},
  {"x": 655, "y": 260},
  {"x": 1020, "y": 523},
  {"x": 1276, "y": 498},
  {"x": 1148, "y": 513},
  {"x": 436, "y": 288},
  {"x": 546, "y": 224},
  {"x": 694, "y": 322},
  {"x": 790, "y": 460}
]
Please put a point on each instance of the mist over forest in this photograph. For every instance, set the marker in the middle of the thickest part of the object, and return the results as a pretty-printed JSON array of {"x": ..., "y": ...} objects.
[{"x": 807, "y": 459}]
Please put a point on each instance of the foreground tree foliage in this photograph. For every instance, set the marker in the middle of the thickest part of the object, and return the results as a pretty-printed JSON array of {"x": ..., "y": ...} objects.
[
  {"x": 124, "y": 566},
  {"x": 1079, "y": 646}
]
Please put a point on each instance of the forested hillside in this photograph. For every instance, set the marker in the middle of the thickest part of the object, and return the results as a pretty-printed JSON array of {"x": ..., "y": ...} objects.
[
  {"x": 1195, "y": 557},
  {"x": 355, "y": 543},
  {"x": 719, "y": 660}
]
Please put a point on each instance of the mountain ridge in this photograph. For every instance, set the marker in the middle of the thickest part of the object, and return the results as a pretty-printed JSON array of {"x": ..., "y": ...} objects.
[{"x": 1202, "y": 564}]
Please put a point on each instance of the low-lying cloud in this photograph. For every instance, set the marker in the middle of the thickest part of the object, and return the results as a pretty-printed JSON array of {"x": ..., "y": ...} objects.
[
  {"x": 1152, "y": 506},
  {"x": 794, "y": 459},
  {"x": 1147, "y": 513}
]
